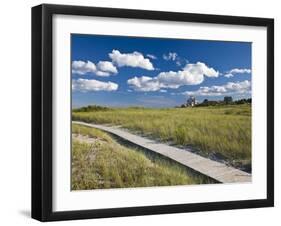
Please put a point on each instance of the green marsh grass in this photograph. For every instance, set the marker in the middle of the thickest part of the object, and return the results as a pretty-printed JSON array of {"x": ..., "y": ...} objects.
[
  {"x": 216, "y": 129},
  {"x": 105, "y": 163}
]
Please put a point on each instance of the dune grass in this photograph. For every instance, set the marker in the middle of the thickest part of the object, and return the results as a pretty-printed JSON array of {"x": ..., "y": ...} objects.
[
  {"x": 104, "y": 163},
  {"x": 225, "y": 130}
]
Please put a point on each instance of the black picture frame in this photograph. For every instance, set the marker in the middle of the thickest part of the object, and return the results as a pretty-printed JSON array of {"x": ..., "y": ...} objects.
[{"x": 42, "y": 111}]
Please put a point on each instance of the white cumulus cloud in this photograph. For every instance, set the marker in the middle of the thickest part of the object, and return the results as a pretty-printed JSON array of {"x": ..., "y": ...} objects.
[
  {"x": 170, "y": 56},
  {"x": 107, "y": 66},
  {"x": 192, "y": 74},
  {"x": 87, "y": 85},
  {"x": 201, "y": 68},
  {"x": 82, "y": 67},
  {"x": 103, "y": 68},
  {"x": 234, "y": 71},
  {"x": 134, "y": 59},
  {"x": 151, "y": 56},
  {"x": 229, "y": 88},
  {"x": 144, "y": 84},
  {"x": 102, "y": 73}
]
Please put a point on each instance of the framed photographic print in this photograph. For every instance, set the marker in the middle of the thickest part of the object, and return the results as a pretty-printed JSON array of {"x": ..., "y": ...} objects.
[{"x": 144, "y": 112}]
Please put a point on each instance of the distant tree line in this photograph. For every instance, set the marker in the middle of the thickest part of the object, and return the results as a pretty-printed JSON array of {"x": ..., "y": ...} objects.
[
  {"x": 90, "y": 108},
  {"x": 226, "y": 101}
]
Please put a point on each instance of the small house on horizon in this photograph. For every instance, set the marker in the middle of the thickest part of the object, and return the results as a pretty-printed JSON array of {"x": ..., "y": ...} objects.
[
  {"x": 191, "y": 101},
  {"x": 228, "y": 99}
]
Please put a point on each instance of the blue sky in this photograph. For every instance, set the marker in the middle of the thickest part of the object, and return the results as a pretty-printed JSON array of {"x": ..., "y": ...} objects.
[{"x": 120, "y": 71}]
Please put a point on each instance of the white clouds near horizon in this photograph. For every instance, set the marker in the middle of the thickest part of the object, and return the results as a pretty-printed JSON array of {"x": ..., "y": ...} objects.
[
  {"x": 229, "y": 88},
  {"x": 192, "y": 74},
  {"x": 88, "y": 85}
]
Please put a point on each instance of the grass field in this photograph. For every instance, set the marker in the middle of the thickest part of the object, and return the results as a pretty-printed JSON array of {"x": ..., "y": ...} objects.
[
  {"x": 104, "y": 163},
  {"x": 223, "y": 130}
]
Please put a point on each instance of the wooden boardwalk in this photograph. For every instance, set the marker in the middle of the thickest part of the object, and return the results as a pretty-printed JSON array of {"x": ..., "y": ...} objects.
[{"x": 213, "y": 169}]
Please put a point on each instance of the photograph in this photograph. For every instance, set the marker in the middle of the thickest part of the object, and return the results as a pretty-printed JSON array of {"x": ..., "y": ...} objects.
[
  {"x": 150, "y": 111},
  {"x": 142, "y": 112}
]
